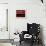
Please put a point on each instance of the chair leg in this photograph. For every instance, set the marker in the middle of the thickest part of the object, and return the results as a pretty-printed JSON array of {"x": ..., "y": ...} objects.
[
  {"x": 32, "y": 42},
  {"x": 20, "y": 42}
]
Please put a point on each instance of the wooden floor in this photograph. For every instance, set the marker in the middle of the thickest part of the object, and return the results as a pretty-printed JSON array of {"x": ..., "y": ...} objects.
[{"x": 27, "y": 44}]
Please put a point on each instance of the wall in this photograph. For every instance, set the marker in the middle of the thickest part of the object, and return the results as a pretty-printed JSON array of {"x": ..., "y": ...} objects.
[
  {"x": 3, "y": 1},
  {"x": 35, "y": 13}
]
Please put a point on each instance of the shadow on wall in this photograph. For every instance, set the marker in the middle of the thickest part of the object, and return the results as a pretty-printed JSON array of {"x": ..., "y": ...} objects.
[{"x": 41, "y": 34}]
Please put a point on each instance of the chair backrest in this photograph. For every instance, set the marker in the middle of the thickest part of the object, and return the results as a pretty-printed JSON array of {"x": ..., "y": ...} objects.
[{"x": 33, "y": 28}]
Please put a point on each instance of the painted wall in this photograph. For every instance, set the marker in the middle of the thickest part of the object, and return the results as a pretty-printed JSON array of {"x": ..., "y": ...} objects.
[
  {"x": 3, "y": 1},
  {"x": 35, "y": 13}
]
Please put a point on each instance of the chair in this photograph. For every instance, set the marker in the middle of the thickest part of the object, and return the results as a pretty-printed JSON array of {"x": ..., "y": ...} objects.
[{"x": 33, "y": 30}]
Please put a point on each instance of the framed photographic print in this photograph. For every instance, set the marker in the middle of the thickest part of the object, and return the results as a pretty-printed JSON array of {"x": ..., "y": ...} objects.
[{"x": 20, "y": 13}]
